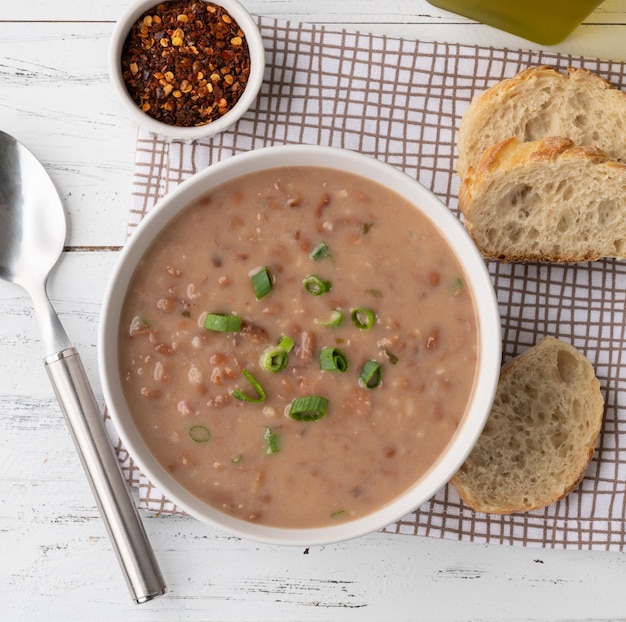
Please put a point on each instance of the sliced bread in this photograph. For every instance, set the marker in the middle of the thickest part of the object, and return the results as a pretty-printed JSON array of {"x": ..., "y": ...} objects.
[
  {"x": 540, "y": 435},
  {"x": 539, "y": 102},
  {"x": 546, "y": 200}
]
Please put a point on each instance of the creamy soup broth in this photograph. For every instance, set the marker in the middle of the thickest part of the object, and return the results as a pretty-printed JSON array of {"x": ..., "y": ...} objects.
[{"x": 251, "y": 459}]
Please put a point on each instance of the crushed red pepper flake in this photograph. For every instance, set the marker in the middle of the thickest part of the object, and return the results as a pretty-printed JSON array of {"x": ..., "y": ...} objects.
[{"x": 185, "y": 62}]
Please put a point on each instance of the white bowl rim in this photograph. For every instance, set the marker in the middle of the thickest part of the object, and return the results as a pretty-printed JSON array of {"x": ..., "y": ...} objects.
[
  {"x": 486, "y": 306},
  {"x": 186, "y": 134}
]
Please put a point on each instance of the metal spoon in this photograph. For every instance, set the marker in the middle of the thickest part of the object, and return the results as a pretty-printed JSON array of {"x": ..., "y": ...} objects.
[{"x": 32, "y": 236}]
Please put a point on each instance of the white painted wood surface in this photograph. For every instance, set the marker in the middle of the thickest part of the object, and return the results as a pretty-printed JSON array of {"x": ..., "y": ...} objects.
[{"x": 56, "y": 562}]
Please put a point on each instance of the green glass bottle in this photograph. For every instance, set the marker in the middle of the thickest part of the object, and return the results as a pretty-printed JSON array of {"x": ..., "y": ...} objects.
[{"x": 543, "y": 21}]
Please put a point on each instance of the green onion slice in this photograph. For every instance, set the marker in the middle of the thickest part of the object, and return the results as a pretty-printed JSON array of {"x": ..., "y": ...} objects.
[
  {"x": 308, "y": 408},
  {"x": 199, "y": 434},
  {"x": 333, "y": 359},
  {"x": 286, "y": 343},
  {"x": 371, "y": 375},
  {"x": 315, "y": 285},
  {"x": 363, "y": 318},
  {"x": 244, "y": 397},
  {"x": 271, "y": 442},
  {"x": 237, "y": 459},
  {"x": 261, "y": 283},
  {"x": 336, "y": 319},
  {"x": 319, "y": 252},
  {"x": 337, "y": 514},
  {"x": 274, "y": 359},
  {"x": 222, "y": 322}
]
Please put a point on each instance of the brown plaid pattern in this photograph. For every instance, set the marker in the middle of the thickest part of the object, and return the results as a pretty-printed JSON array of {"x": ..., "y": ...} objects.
[{"x": 401, "y": 101}]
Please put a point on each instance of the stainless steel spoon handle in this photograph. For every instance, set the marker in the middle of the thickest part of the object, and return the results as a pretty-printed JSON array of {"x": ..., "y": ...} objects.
[{"x": 68, "y": 377}]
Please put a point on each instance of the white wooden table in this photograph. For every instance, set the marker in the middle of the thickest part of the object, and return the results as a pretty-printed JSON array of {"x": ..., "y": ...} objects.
[{"x": 56, "y": 561}]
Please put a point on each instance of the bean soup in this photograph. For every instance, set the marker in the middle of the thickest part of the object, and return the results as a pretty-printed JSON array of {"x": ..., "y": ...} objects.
[{"x": 298, "y": 347}]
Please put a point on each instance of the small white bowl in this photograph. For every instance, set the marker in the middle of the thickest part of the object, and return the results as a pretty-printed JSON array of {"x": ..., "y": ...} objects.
[
  {"x": 187, "y": 134},
  {"x": 477, "y": 277}
]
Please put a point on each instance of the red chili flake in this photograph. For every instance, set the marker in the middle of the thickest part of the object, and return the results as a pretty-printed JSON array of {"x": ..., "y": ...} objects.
[{"x": 185, "y": 62}]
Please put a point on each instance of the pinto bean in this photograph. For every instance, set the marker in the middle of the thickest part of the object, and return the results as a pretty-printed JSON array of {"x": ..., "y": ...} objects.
[
  {"x": 159, "y": 374},
  {"x": 306, "y": 350},
  {"x": 254, "y": 332},
  {"x": 194, "y": 375},
  {"x": 217, "y": 376},
  {"x": 217, "y": 358},
  {"x": 219, "y": 401},
  {"x": 192, "y": 291},
  {"x": 324, "y": 202},
  {"x": 294, "y": 201},
  {"x": 138, "y": 326},
  {"x": 151, "y": 394},
  {"x": 167, "y": 305},
  {"x": 184, "y": 407},
  {"x": 272, "y": 310},
  {"x": 164, "y": 349}
]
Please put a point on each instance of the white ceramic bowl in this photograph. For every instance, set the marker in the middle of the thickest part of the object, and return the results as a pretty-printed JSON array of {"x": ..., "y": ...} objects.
[
  {"x": 476, "y": 275},
  {"x": 255, "y": 79}
]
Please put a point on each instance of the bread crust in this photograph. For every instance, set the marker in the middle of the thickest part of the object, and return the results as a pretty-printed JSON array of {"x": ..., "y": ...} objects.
[
  {"x": 541, "y": 101},
  {"x": 487, "y": 460},
  {"x": 512, "y": 161}
]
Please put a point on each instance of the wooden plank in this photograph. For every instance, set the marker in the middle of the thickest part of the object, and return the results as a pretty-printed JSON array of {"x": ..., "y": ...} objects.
[
  {"x": 369, "y": 12},
  {"x": 57, "y": 100}
]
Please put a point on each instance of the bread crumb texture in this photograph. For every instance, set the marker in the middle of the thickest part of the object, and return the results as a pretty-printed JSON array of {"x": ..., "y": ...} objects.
[
  {"x": 540, "y": 435},
  {"x": 541, "y": 101},
  {"x": 546, "y": 200}
]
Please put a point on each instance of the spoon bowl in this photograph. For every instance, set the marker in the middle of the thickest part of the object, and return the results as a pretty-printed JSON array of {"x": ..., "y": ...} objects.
[
  {"x": 27, "y": 252},
  {"x": 32, "y": 237}
]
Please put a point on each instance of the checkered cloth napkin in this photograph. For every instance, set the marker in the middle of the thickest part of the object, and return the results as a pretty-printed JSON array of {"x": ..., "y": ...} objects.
[{"x": 401, "y": 101}]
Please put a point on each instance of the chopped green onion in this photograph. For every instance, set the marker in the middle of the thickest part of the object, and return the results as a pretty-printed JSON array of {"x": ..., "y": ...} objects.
[
  {"x": 199, "y": 434},
  {"x": 363, "y": 318},
  {"x": 319, "y": 252},
  {"x": 393, "y": 359},
  {"x": 308, "y": 408},
  {"x": 271, "y": 442},
  {"x": 372, "y": 373},
  {"x": 337, "y": 514},
  {"x": 244, "y": 397},
  {"x": 336, "y": 319},
  {"x": 286, "y": 343},
  {"x": 274, "y": 359},
  {"x": 222, "y": 322},
  {"x": 237, "y": 459},
  {"x": 333, "y": 359},
  {"x": 316, "y": 286},
  {"x": 457, "y": 284},
  {"x": 366, "y": 227},
  {"x": 261, "y": 283}
]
